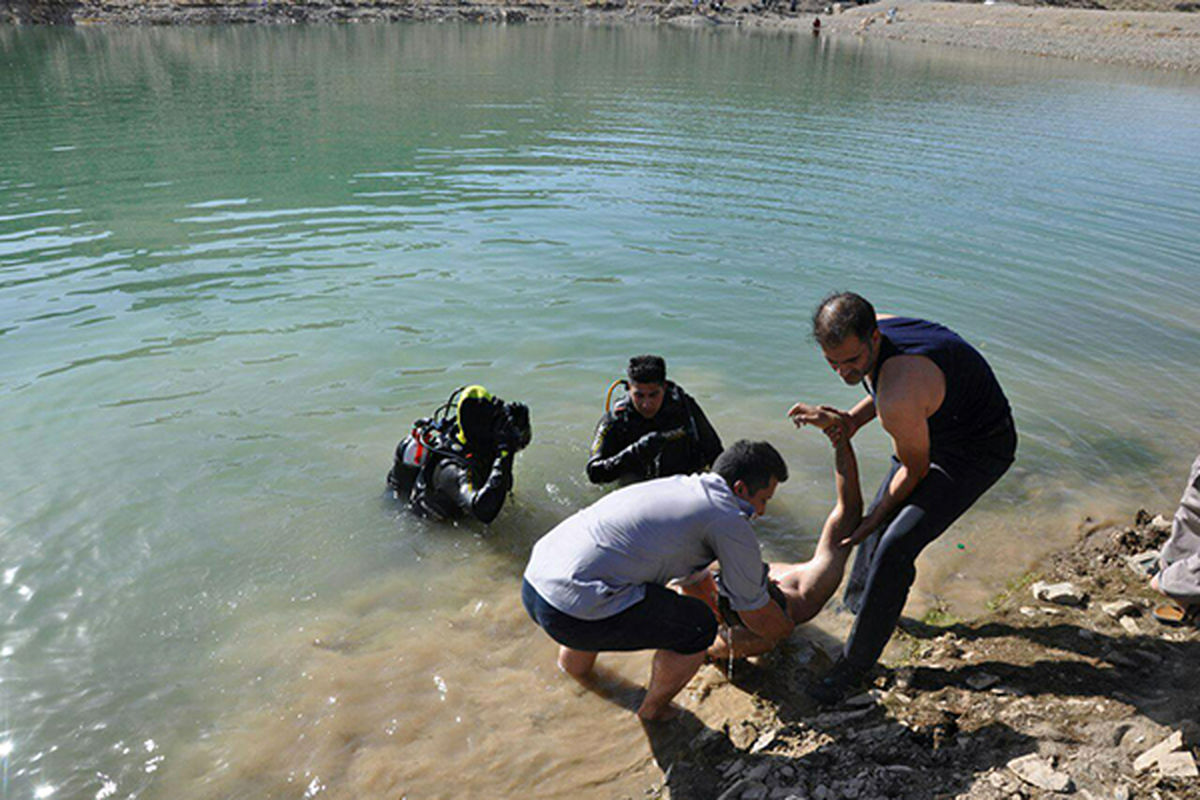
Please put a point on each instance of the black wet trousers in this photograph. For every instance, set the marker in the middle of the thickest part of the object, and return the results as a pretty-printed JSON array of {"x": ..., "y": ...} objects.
[{"x": 885, "y": 568}]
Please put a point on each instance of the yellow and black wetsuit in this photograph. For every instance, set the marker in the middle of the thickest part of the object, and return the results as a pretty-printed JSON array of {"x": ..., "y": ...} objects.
[
  {"x": 452, "y": 466},
  {"x": 678, "y": 440},
  {"x": 454, "y": 483}
]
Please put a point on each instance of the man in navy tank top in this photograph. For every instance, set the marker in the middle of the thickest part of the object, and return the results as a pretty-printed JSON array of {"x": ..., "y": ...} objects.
[{"x": 953, "y": 436}]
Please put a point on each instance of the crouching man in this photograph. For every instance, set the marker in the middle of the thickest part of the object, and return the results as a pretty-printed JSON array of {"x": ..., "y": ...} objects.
[{"x": 597, "y": 582}]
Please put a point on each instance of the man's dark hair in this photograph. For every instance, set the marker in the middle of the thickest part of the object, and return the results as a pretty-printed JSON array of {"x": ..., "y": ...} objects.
[
  {"x": 752, "y": 463},
  {"x": 841, "y": 314},
  {"x": 647, "y": 369}
]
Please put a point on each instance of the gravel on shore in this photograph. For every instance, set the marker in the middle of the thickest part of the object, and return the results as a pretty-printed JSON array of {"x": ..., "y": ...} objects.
[{"x": 1154, "y": 39}]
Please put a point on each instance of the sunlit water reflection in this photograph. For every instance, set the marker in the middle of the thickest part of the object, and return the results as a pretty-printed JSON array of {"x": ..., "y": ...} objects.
[{"x": 235, "y": 263}]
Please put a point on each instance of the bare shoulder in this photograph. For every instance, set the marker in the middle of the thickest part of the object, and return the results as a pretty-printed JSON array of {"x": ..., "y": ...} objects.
[
  {"x": 909, "y": 383},
  {"x": 885, "y": 316}
]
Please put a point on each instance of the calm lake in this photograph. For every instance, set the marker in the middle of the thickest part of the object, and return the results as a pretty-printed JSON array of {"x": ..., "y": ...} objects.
[{"x": 235, "y": 263}]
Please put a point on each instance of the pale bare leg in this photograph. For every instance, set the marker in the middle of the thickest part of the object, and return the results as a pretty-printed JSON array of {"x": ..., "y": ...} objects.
[
  {"x": 576, "y": 663},
  {"x": 669, "y": 673},
  {"x": 810, "y": 584}
]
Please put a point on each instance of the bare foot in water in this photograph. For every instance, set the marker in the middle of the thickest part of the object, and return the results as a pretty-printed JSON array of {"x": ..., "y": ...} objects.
[{"x": 663, "y": 714}]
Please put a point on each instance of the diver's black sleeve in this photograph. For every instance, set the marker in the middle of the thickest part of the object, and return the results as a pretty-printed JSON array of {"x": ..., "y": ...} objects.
[
  {"x": 613, "y": 455},
  {"x": 453, "y": 480},
  {"x": 710, "y": 443}
]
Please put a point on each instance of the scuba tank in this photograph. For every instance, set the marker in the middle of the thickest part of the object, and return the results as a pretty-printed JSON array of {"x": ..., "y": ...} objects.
[
  {"x": 415, "y": 447},
  {"x": 428, "y": 441}
]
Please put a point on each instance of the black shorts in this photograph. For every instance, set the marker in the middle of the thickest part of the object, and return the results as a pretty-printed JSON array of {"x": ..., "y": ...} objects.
[{"x": 662, "y": 620}]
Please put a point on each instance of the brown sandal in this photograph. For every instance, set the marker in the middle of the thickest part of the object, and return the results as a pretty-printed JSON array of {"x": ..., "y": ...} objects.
[{"x": 1174, "y": 614}]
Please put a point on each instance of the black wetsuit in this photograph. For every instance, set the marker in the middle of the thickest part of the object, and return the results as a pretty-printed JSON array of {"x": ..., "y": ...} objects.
[
  {"x": 972, "y": 443},
  {"x": 678, "y": 440},
  {"x": 454, "y": 482}
]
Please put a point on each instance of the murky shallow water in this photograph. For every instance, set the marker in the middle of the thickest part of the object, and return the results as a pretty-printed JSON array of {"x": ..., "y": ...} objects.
[{"x": 235, "y": 263}]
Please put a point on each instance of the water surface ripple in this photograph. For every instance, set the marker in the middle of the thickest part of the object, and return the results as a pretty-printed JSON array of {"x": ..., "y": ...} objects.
[{"x": 235, "y": 263}]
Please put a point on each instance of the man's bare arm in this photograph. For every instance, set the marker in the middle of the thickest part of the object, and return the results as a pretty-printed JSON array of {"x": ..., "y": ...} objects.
[
  {"x": 862, "y": 413},
  {"x": 760, "y": 631},
  {"x": 911, "y": 389}
]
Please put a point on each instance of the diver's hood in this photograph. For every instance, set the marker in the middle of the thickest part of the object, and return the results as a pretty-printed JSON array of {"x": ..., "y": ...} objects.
[{"x": 476, "y": 415}]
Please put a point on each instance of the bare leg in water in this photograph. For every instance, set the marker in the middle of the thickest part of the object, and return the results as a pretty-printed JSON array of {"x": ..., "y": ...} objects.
[
  {"x": 576, "y": 663},
  {"x": 669, "y": 673}
]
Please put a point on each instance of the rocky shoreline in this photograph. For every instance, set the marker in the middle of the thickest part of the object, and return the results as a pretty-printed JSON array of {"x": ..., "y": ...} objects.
[
  {"x": 183, "y": 12},
  {"x": 1057, "y": 691},
  {"x": 1159, "y": 34}
]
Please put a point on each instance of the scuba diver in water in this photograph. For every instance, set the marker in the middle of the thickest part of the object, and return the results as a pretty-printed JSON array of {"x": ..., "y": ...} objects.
[
  {"x": 454, "y": 465},
  {"x": 656, "y": 430}
]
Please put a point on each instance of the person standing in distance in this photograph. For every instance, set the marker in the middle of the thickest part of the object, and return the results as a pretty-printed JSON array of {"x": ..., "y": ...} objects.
[{"x": 953, "y": 436}]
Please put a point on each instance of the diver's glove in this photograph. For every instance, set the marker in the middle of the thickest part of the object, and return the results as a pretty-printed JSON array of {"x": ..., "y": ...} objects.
[
  {"x": 652, "y": 443},
  {"x": 511, "y": 428}
]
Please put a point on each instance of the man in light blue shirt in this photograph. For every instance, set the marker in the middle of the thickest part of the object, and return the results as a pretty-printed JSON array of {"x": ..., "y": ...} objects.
[{"x": 597, "y": 582}]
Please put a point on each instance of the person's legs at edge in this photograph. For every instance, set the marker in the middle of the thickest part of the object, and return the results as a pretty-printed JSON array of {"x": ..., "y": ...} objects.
[
  {"x": 934, "y": 505},
  {"x": 893, "y": 568},
  {"x": 852, "y": 597},
  {"x": 663, "y": 619},
  {"x": 669, "y": 673},
  {"x": 576, "y": 663}
]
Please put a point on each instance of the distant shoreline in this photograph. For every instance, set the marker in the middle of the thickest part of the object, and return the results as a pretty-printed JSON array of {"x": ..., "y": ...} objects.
[{"x": 1163, "y": 40}]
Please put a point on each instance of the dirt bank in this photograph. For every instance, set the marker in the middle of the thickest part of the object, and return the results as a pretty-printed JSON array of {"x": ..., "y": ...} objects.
[
  {"x": 1160, "y": 34},
  {"x": 1160, "y": 40},
  {"x": 1035, "y": 699}
]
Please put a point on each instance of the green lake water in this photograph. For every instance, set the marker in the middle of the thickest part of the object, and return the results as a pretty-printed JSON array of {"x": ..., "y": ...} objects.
[{"x": 235, "y": 263}]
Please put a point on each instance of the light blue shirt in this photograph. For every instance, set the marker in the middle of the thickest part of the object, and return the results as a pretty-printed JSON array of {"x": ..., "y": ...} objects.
[{"x": 596, "y": 563}]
